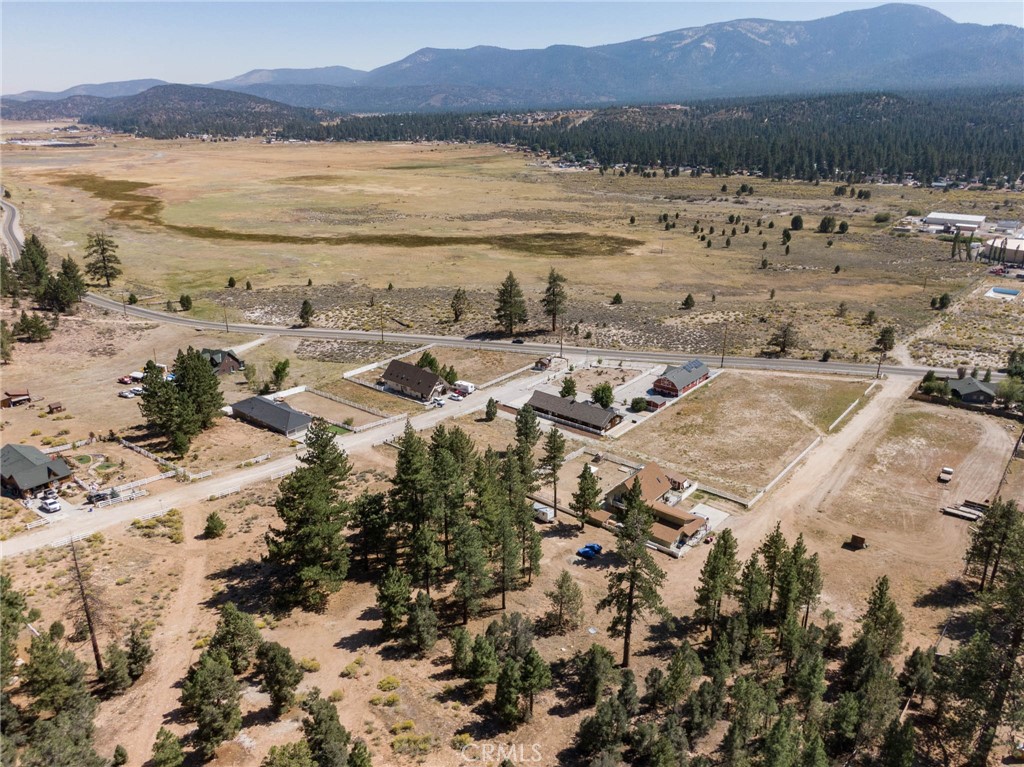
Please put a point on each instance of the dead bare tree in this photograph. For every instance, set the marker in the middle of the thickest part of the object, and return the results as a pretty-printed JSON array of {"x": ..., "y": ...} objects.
[{"x": 87, "y": 606}]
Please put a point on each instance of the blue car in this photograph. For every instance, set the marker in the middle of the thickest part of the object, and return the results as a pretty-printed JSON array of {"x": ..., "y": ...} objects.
[{"x": 589, "y": 551}]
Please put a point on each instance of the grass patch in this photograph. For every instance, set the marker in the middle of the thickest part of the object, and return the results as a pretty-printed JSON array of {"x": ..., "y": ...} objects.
[
  {"x": 132, "y": 207},
  {"x": 337, "y": 429},
  {"x": 167, "y": 525},
  {"x": 388, "y": 683},
  {"x": 414, "y": 745}
]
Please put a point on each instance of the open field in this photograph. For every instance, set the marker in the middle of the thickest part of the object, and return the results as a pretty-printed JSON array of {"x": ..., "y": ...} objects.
[
  {"x": 386, "y": 231},
  {"x": 741, "y": 430},
  {"x": 361, "y": 395},
  {"x": 326, "y": 408}
]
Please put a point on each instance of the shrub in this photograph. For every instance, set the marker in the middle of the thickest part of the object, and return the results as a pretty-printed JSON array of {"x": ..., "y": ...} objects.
[
  {"x": 388, "y": 683},
  {"x": 404, "y": 726},
  {"x": 460, "y": 741},
  {"x": 616, "y": 299},
  {"x": 882, "y": 218},
  {"x": 309, "y": 665},
  {"x": 336, "y": 696},
  {"x": 638, "y": 405},
  {"x": 214, "y": 525}
]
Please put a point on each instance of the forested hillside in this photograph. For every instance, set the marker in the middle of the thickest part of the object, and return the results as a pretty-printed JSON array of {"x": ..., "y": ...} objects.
[{"x": 963, "y": 135}]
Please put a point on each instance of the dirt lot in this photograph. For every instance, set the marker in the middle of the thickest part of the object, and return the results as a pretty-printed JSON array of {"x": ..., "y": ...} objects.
[
  {"x": 316, "y": 405},
  {"x": 229, "y": 443},
  {"x": 388, "y": 230},
  {"x": 378, "y": 400},
  {"x": 587, "y": 379},
  {"x": 1014, "y": 486},
  {"x": 719, "y": 433},
  {"x": 476, "y": 365}
]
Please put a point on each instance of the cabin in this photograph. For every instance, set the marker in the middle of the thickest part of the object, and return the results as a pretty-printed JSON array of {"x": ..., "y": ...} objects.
[
  {"x": 55, "y": 407},
  {"x": 27, "y": 470},
  {"x": 273, "y": 416},
  {"x": 587, "y": 416},
  {"x": 412, "y": 381},
  {"x": 15, "y": 398},
  {"x": 223, "y": 361},
  {"x": 680, "y": 379}
]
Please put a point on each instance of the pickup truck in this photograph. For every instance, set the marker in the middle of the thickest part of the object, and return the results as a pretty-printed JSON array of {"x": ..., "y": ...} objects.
[{"x": 946, "y": 474}]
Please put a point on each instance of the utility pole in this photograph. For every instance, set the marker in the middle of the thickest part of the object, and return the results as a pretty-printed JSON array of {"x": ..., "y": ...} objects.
[
  {"x": 226, "y": 329},
  {"x": 725, "y": 340},
  {"x": 382, "y": 323},
  {"x": 878, "y": 372},
  {"x": 124, "y": 305},
  {"x": 561, "y": 338}
]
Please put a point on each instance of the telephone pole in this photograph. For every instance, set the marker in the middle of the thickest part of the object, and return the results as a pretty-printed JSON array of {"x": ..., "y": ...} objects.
[
  {"x": 725, "y": 340},
  {"x": 878, "y": 372}
]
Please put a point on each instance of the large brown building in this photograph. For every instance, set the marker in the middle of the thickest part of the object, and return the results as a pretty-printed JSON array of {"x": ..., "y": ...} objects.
[
  {"x": 676, "y": 380},
  {"x": 582, "y": 415},
  {"x": 413, "y": 381},
  {"x": 672, "y": 526}
]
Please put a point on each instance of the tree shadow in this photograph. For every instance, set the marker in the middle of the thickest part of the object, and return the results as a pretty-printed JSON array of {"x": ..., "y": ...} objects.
[
  {"x": 360, "y": 639},
  {"x": 264, "y": 715},
  {"x": 563, "y": 530},
  {"x": 249, "y": 584},
  {"x": 952, "y": 593},
  {"x": 662, "y": 638}
]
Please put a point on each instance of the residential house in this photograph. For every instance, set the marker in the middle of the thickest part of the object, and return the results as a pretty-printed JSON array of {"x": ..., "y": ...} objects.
[
  {"x": 412, "y": 381},
  {"x": 672, "y": 526},
  {"x": 581, "y": 415},
  {"x": 222, "y": 361},
  {"x": 275, "y": 416},
  {"x": 677, "y": 380},
  {"x": 27, "y": 469},
  {"x": 972, "y": 390}
]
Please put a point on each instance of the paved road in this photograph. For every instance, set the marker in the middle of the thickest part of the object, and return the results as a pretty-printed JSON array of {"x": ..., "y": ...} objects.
[
  {"x": 188, "y": 497},
  {"x": 532, "y": 348},
  {"x": 10, "y": 231}
]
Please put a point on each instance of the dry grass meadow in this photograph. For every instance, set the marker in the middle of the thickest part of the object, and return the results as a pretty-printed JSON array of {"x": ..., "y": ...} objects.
[{"x": 385, "y": 232}]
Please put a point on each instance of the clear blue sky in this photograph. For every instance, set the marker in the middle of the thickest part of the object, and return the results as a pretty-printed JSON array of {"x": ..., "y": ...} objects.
[{"x": 54, "y": 45}]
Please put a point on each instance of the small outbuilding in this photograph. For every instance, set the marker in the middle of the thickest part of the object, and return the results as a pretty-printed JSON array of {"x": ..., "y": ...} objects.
[
  {"x": 274, "y": 416},
  {"x": 412, "y": 381},
  {"x": 15, "y": 398},
  {"x": 223, "y": 361},
  {"x": 27, "y": 469},
  {"x": 55, "y": 407},
  {"x": 677, "y": 380}
]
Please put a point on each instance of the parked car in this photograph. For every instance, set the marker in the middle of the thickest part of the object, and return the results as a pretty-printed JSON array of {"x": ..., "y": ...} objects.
[
  {"x": 98, "y": 495},
  {"x": 138, "y": 390},
  {"x": 519, "y": 340},
  {"x": 124, "y": 380},
  {"x": 437, "y": 402},
  {"x": 589, "y": 551},
  {"x": 126, "y": 393},
  {"x": 50, "y": 505},
  {"x": 456, "y": 397}
]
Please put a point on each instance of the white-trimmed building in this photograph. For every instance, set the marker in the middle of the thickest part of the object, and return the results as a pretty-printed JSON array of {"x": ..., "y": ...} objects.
[{"x": 953, "y": 221}]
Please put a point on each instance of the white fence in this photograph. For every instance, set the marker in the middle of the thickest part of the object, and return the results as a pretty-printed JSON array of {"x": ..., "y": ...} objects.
[
  {"x": 225, "y": 493},
  {"x": 122, "y": 499},
  {"x": 183, "y": 473},
  {"x": 62, "y": 448},
  {"x": 506, "y": 376},
  {"x": 254, "y": 461},
  {"x": 279, "y": 474},
  {"x": 375, "y": 424},
  {"x": 67, "y": 541},
  {"x": 151, "y": 515},
  {"x": 121, "y": 489}
]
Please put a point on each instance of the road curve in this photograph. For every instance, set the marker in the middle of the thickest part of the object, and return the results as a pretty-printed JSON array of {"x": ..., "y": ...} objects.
[{"x": 9, "y": 228}]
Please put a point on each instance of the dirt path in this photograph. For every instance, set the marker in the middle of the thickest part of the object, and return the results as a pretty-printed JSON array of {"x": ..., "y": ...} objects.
[
  {"x": 826, "y": 470},
  {"x": 134, "y": 718}
]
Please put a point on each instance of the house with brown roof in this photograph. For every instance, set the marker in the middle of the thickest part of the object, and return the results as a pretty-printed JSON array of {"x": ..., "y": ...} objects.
[
  {"x": 412, "y": 381},
  {"x": 15, "y": 398},
  {"x": 677, "y": 380},
  {"x": 581, "y": 415},
  {"x": 222, "y": 360},
  {"x": 26, "y": 469},
  {"x": 672, "y": 525}
]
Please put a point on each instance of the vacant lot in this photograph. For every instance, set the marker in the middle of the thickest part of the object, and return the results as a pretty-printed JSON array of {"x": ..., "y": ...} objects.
[
  {"x": 477, "y": 366},
  {"x": 316, "y": 405},
  {"x": 888, "y": 492},
  {"x": 361, "y": 395},
  {"x": 741, "y": 430},
  {"x": 386, "y": 232}
]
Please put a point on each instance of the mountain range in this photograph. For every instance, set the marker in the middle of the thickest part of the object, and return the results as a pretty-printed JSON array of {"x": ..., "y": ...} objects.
[{"x": 890, "y": 47}]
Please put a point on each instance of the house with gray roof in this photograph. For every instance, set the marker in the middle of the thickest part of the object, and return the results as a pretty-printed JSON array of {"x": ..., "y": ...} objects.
[
  {"x": 412, "y": 381},
  {"x": 581, "y": 415},
  {"x": 275, "y": 416},
  {"x": 681, "y": 378},
  {"x": 26, "y": 469},
  {"x": 971, "y": 390}
]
